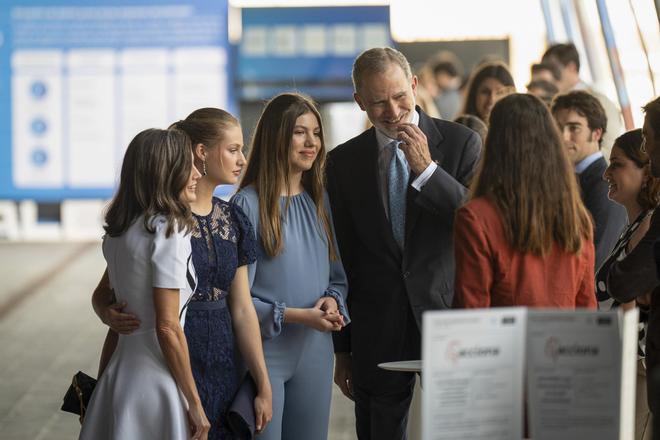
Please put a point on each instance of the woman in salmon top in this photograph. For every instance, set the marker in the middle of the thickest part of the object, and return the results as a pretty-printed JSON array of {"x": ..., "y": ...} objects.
[{"x": 524, "y": 237}]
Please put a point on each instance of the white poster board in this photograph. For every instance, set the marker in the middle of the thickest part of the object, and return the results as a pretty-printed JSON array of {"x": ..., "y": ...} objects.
[
  {"x": 473, "y": 374},
  {"x": 578, "y": 368}
]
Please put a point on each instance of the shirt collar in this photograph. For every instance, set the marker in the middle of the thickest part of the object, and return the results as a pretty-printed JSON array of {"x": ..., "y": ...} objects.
[
  {"x": 580, "y": 85},
  {"x": 584, "y": 163},
  {"x": 384, "y": 140}
]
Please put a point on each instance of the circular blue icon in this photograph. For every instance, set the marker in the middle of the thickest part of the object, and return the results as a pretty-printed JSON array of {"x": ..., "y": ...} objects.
[
  {"x": 38, "y": 126},
  {"x": 39, "y": 157},
  {"x": 38, "y": 89}
]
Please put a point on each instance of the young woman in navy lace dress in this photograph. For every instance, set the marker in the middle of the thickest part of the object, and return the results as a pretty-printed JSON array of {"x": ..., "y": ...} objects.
[{"x": 221, "y": 316}]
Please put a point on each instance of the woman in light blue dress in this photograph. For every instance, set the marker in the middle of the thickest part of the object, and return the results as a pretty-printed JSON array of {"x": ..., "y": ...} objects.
[
  {"x": 298, "y": 284},
  {"x": 147, "y": 390}
]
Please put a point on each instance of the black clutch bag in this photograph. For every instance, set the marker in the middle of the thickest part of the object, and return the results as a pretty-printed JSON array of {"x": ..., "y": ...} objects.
[
  {"x": 240, "y": 416},
  {"x": 77, "y": 396}
]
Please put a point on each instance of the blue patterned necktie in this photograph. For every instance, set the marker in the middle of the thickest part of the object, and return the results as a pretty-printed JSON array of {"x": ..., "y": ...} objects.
[{"x": 397, "y": 186}]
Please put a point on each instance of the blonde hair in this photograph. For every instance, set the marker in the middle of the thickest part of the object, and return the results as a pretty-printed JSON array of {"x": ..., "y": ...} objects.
[{"x": 206, "y": 126}]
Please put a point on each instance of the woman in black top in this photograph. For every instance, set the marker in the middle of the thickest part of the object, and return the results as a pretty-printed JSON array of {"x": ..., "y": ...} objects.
[{"x": 631, "y": 185}]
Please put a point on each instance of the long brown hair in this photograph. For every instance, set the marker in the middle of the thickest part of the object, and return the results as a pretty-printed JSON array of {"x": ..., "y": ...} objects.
[
  {"x": 496, "y": 70},
  {"x": 630, "y": 144},
  {"x": 525, "y": 171},
  {"x": 156, "y": 168},
  {"x": 268, "y": 168}
]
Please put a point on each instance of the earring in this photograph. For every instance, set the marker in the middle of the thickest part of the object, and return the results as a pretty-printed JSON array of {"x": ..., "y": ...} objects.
[{"x": 203, "y": 168}]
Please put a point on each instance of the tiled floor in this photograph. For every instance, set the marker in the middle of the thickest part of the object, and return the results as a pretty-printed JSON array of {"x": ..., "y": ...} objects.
[{"x": 50, "y": 332}]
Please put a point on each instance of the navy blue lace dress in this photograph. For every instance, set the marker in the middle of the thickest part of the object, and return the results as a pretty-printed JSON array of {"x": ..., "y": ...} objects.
[{"x": 222, "y": 241}]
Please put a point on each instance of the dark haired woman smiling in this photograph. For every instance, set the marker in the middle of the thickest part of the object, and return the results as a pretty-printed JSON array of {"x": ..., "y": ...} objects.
[{"x": 147, "y": 390}]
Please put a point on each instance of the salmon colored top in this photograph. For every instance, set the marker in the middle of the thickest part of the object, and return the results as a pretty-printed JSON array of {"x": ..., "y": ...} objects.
[{"x": 490, "y": 273}]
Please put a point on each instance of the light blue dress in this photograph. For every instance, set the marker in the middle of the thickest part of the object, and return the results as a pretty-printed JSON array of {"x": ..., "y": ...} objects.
[
  {"x": 299, "y": 358},
  {"x": 137, "y": 397}
]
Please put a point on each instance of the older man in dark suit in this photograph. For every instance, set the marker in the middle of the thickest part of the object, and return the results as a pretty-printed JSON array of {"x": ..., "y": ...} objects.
[{"x": 393, "y": 191}]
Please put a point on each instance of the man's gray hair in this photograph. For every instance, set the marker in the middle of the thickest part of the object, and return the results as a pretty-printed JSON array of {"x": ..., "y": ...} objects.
[{"x": 378, "y": 60}]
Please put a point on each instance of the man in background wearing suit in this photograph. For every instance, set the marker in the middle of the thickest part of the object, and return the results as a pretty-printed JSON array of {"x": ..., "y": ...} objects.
[
  {"x": 582, "y": 122},
  {"x": 565, "y": 57},
  {"x": 393, "y": 191}
]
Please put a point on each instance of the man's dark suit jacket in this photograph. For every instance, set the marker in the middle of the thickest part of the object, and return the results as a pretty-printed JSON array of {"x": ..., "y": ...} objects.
[
  {"x": 610, "y": 218},
  {"x": 385, "y": 284}
]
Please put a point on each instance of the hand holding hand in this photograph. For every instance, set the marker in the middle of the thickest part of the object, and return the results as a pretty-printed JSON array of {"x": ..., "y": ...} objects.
[
  {"x": 322, "y": 321},
  {"x": 327, "y": 304},
  {"x": 120, "y": 322},
  {"x": 415, "y": 146}
]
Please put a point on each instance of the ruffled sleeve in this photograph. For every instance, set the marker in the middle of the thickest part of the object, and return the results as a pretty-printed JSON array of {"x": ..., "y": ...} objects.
[
  {"x": 269, "y": 313},
  {"x": 247, "y": 244},
  {"x": 271, "y": 317},
  {"x": 169, "y": 257}
]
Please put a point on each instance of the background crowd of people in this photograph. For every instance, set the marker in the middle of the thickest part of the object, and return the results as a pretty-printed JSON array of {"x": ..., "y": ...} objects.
[{"x": 416, "y": 213}]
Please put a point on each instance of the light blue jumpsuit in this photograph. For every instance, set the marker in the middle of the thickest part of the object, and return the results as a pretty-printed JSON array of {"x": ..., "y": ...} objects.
[{"x": 299, "y": 358}]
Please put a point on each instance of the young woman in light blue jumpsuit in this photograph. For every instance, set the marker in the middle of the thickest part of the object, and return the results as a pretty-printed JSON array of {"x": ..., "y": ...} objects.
[{"x": 298, "y": 284}]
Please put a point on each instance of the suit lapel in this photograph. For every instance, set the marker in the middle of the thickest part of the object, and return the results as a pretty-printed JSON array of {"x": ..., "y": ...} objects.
[{"x": 434, "y": 139}]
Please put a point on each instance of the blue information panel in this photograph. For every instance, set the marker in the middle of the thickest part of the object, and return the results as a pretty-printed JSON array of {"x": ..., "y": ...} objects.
[
  {"x": 307, "y": 48},
  {"x": 79, "y": 79}
]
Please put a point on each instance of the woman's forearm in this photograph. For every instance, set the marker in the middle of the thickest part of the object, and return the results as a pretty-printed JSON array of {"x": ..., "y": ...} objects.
[
  {"x": 248, "y": 337},
  {"x": 173, "y": 343},
  {"x": 108, "y": 349},
  {"x": 247, "y": 331},
  {"x": 175, "y": 350},
  {"x": 293, "y": 315}
]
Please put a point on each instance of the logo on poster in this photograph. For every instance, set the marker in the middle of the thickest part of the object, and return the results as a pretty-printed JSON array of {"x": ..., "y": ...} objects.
[
  {"x": 554, "y": 349},
  {"x": 455, "y": 352}
]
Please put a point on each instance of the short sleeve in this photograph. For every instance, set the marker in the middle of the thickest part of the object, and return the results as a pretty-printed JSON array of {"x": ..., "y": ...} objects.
[
  {"x": 247, "y": 246},
  {"x": 169, "y": 257}
]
